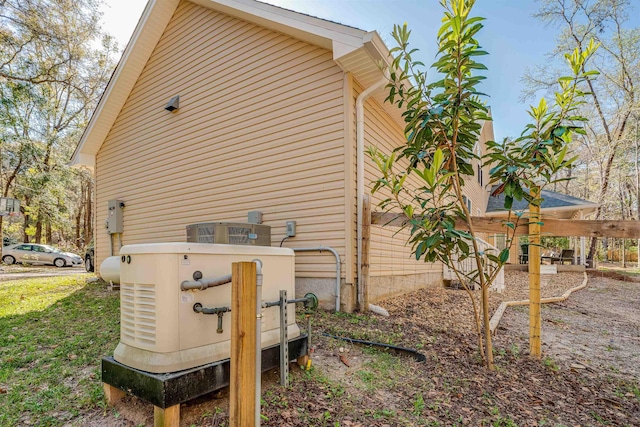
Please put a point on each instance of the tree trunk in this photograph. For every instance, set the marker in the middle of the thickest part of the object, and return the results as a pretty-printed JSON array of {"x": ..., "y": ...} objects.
[
  {"x": 48, "y": 232},
  {"x": 1, "y": 235},
  {"x": 637, "y": 170},
  {"x": 77, "y": 227},
  {"x": 603, "y": 191},
  {"x": 38, "y": 235},
  {"x": 25, "y": 225}
]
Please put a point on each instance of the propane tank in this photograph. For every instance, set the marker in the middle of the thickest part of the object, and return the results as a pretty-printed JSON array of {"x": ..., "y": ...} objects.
[{"x": 110, "y": 270}]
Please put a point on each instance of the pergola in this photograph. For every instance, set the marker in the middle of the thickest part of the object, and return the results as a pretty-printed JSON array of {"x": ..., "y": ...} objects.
[
  {"x": 556, "y": 218},
  {"x": 554, "y": 206}
]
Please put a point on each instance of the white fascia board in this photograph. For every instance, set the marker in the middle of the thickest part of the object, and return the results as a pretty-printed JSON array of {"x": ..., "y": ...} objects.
[
  {"x": 377, "y": 49},
  {"x": 150, "y": 28},
  {"x": 84, "y": 160},
  {"x": 341, "y": 50},
  {"x": 369, "y": 58},
  {"x": 303, "y": 27}
]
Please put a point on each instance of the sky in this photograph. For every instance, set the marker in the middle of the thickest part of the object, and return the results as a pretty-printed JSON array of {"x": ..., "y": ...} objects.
[{"x": 515, "y": 40}]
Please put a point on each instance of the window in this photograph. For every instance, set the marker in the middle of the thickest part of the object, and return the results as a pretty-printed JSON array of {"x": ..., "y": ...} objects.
[
  {"x": 478, "y": 152},
  {"x": 500, "y": 241},
  {"x": 467, "y": 201}
]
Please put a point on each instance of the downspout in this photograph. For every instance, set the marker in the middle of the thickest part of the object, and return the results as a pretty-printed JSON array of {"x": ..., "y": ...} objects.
[
  {"x": 360, "y": 177},
  {"x": 338, "y": 271}
]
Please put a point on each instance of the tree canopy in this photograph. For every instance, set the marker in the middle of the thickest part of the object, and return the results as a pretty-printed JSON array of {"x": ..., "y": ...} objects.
[{"x": 55, "y": 62}]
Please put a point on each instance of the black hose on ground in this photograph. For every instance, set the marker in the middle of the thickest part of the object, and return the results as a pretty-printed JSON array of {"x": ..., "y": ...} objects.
[{"x": 414, "y": 353}]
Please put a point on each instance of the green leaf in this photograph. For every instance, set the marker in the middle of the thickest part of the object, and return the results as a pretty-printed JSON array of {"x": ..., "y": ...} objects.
[
  {"x": 504, "y": 256},
  {"x": 420, "y": 249},
  {"x": 508, "y": 202}
]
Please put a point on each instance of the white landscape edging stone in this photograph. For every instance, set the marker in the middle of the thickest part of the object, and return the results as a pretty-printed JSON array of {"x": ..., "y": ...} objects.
[{"x": 497, "y": 316}]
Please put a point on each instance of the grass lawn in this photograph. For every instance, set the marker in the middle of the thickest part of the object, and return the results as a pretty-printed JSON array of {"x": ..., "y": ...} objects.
[{"x": 53, "y": 333}]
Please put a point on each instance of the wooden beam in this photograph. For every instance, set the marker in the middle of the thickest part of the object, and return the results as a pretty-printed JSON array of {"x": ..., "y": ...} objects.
[
  {"x": 242, "y": 382},
  {"x": 566, "y": 227},
  {"x": 551, "y": 227}
]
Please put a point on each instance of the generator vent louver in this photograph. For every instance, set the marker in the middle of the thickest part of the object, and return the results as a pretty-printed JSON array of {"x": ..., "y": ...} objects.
[
  {"x": 230, "y": 233},
  {"x": 138, "y": 313}
]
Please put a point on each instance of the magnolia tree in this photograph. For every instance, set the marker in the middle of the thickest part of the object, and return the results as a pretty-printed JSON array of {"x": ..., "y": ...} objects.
[{"x": 443, "y": 123}]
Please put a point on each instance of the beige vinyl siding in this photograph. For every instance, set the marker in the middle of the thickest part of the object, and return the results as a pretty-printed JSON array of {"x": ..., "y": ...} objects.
[
  {"x": 260, "y": 127},
  {"x": 472, "y": 188},
  {"x": 389, "y": 253}
]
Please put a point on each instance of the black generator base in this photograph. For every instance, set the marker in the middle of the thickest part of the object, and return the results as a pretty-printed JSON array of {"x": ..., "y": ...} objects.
[{"x": 169, "y": 389}]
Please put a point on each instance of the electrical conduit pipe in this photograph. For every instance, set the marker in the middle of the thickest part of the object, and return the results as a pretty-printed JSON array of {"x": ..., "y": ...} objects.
[
  {"x": 338, "y": 270},
  {"x": 203, "y": 284},
  {"x": 360, "y": 176}
]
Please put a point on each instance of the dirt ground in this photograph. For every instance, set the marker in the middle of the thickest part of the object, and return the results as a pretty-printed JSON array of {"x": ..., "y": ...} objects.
[
  {"x": 596, "y": 328},
  {"x": 589, "y": 374}
]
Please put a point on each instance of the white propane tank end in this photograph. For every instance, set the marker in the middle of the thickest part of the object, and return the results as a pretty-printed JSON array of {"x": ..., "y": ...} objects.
[{"x": 110, "y": 270}]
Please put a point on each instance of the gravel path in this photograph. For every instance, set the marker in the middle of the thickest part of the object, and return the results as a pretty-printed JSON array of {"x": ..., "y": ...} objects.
[
  {"x": 551, "y": 285},
  {"x": 7, "y": 274}
]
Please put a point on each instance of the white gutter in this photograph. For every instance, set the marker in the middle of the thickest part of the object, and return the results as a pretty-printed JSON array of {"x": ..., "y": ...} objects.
[{"x": 360, "y": 176}]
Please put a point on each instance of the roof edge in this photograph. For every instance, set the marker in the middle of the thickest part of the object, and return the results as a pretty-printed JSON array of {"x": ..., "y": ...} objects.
[
  {"x": 337, "y": 38},
  {"x": 124, "y": 77},
  {"x": 585, "y": 207}
]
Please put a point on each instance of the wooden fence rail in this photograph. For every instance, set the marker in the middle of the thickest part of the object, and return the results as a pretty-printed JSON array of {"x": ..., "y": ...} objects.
[{"x": 549, "y": 227}]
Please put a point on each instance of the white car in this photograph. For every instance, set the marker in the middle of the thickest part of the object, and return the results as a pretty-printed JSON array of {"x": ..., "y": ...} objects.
[{"x": 32, "y": 253}]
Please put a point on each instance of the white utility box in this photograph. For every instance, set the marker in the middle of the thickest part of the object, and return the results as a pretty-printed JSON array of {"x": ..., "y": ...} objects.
[{"x": 159, "y": 329}]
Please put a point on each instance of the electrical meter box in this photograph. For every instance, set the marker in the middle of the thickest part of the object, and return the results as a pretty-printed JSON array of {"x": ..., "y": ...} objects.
[
  {"x": 115, "y": 217},
  {"x": 159, "y": 330}
]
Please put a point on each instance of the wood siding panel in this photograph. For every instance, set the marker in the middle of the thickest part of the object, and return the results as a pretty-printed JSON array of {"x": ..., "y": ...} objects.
[{"x": 260, "y": 127}]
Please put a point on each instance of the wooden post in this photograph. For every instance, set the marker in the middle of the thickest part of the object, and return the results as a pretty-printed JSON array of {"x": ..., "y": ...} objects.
[
  {"x": 242, "y": 399},
  {"x": 535, "y": 347},
  {"x": 166, "y": 417},
  {"x": 113, "y": 394},
  {"x": 366, "y": 240}
]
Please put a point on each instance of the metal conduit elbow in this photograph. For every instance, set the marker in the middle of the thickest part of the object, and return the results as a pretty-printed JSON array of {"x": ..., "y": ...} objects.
[
  {"x": 203, "y": 284},
  {"x": 338, "y": 267}
]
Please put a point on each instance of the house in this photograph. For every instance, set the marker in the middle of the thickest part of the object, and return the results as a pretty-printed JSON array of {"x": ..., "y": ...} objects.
[
  {"x": 554, "y": 206},
  {"x": 274, "y": 110}
]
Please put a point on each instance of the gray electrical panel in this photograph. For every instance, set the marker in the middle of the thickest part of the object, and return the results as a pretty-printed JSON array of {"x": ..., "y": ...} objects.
[
  {"x": 254, "y": 217},
  {"x": 291, "y": 229},
  {"x": 231, "y": 233},
  {"x": 115, "y": 217}
]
